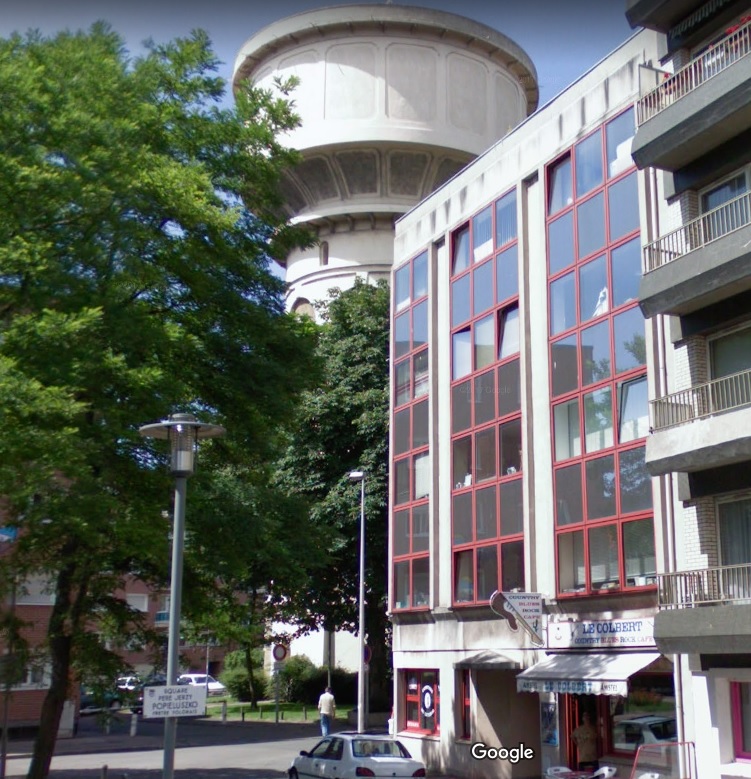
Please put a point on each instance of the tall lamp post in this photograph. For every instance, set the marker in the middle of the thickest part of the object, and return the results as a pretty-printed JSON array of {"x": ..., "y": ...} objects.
[
  {"x": 183, "y": 432},
  {"x": 360, "y": 476}
]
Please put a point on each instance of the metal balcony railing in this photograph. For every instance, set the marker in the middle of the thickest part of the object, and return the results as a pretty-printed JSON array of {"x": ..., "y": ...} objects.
[
  {"x": 717, "y": 58},
  {"x": 712, "y": 397},
  {"x": 726, "y": 584},
  {"x": 718, "y": 222}
]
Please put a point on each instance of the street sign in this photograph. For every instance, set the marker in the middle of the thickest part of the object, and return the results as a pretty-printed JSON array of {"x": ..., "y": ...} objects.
[
  {"x": 182, "y": 700},
  {"x": 279, "y": 652}
]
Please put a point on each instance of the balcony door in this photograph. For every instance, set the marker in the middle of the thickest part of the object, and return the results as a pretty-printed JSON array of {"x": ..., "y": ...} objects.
[
  {"x": 730, "y": 359},
  {"x": 724, "y": 213},
  {"x": 734, "y": 519}
]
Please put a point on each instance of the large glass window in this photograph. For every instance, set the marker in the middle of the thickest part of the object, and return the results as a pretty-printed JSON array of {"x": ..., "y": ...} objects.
[
  {"x": 421, "y": 700},
  {"x": 598, "y": 388}
]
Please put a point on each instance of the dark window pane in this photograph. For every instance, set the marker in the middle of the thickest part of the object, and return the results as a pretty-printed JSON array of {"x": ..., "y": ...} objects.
[
  {"x": 590, "y": 222},
  {"x": 559, "y": 186},
  {"x": 485, "y": 461},
  {"x": 487, "y": 572},
  {"x": 420, "y": 528},
  {"x": 571, "y": 573},
  {"x": 561, "y": 242},
  {"x": 421, "y": 581},
  {"x": 462, "y": 458},
  {"x": 464, "y": 576},
  {"x": 420, "y": 368},
  {"x": 623, "y": 205},
  {"x": 512, "y": 508},
  {"x": 635, "y": 482},
  {"x": 598, "y": 420},
  {"x": 562, "y": 304},
  {"x": 420, "y": 424},
  {"x": 593, "y": 289},
  {"x": 462, "y": 516},
  {"x": 486, "y": 524},
  {"x": 460, "y": 300},
  {"x": 596, "y": 353},
  {"x": 482, "y": 234},
  {"x": 482, "y": 287},
  {"x": 510, "y": 440},
  {"x": 420, "y": 325},
  {"x": 401, "y": 532},
  {"x": 565, "y": 368},
  {"x": 484, "y": 333},
  {"x": 509, "y": 388},
  {"x": 600, "y": 478},
  {"x": 401, "y": 335},
  {"x": 630, "y": 343},
  {"x": 618, "y": 136},
  {"x": 507, "y": 274},
  {"x": 484, "y": 397},
  {"x": 403, "y": 375},
  {"x": 588, "y": 164},
  {"x": 461, "y": 251},
  {"x": 401, "y": 585},
  {"x": 512, "y": 566},
  {"x": 568, "y": 495},
  {"x": 505, "y": 219},
  {"x": 420, "y": 276},
  {"x": 566, "y": 429},
  {"x": 461, "y": 407},
  {"x": 508, "y": 335},
  {"x": 461, "y": 353},
  {"x": 401, "y": 287},
  {"x": 401, "y": 489},
  {"x": 401, "y": 431},
  {"x": 603, "y": 557},
  {"x": 639, "y": 552},
  {"x": 626, "y": 271}
]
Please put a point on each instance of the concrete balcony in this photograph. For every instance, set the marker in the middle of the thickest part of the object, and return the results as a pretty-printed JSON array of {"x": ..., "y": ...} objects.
[
  {"x": 698, "y": 108},
  {"x": 701, "y": 263},
  {"x": 658, "y": 15},
  {"x": 704, "y": 611},
  {"x": 706, "y": 426}
]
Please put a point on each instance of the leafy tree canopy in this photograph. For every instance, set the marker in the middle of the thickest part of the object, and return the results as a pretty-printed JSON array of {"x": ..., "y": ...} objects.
[{"x": 137, "y": 222}]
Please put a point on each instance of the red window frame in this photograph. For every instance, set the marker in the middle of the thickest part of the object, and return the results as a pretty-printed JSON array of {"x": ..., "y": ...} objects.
[
  {"x": 736, "y": 710},
  {"x": 490, "y": 239},
  {"x": 415, "y": 559},
  {"x": 416, "y": 684},
  {"x": 597, "y": 394},
  {"x": 465, "y": 701}
]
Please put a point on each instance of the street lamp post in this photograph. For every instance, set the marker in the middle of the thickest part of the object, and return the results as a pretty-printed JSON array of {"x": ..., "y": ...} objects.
[
  {"x": 360, "y": 476},
  {"x": 183, "y": 432}
]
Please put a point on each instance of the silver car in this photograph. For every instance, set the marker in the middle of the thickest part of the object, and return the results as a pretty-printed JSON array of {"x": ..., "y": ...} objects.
[{"x": 349, "y": 755}]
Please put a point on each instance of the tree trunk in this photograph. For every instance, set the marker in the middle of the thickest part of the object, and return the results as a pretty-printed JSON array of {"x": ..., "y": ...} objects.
[{"x": 251, "y": 677}]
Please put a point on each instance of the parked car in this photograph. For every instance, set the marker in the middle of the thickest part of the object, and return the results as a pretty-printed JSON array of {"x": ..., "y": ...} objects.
[
  {"x": 128, "y": 683},
  {"x": 356, "y": 754},
  {"x": 202, "y": 680},
  {"x": 136, "y": 700},
  {"x": 95, "y": 700},
  {"x": 629, "y": 734}
]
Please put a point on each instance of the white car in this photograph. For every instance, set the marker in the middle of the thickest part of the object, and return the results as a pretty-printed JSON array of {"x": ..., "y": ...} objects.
[
  {"x": 629, "y": 734},
  {"x": 213, "y": 687},
  {"x": 349, "y": 755}
]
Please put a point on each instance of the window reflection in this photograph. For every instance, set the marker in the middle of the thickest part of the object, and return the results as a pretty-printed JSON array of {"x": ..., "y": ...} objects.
[
  {"x": 560, "y": 186},
  {"x": 589, "y": 164},
  {"x": 626, "y": 271},
  {"x": 619, "y": 133},
  {"x": 460, "y": 300},
  {"x": 590, "y": 223},
  {"x": 623, "y": 207},
  {"x": 561, "y": 243},
  {"x": 505, "y": 219},
  {"x": 461, "y": 251},
  {"x": 630, "y": 342}
]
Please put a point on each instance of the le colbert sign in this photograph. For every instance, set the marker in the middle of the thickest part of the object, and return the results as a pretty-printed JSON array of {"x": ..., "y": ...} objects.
[{"x": 605, "y": 633}]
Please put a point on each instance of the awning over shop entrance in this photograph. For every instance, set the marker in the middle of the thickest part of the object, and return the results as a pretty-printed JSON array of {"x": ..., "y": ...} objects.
[
  {"x": 584, "y": 674},
  {"x": 487, "y": 660}
]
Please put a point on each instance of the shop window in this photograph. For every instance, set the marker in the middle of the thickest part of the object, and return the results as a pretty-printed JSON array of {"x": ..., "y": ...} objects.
[
  {"x": 422, "y": 701},
  {"x": 465, "y": 698}
]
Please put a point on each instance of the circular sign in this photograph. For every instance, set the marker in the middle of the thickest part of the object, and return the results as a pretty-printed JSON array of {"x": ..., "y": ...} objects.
[
  {"x": 279, "y": 652},
  {"x": 427, "y": 700}
]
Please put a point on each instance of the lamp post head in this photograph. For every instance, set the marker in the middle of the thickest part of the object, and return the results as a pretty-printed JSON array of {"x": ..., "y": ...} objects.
[
  {"x": 183, "y": 431},
  {"x": 357, "y": 475}
]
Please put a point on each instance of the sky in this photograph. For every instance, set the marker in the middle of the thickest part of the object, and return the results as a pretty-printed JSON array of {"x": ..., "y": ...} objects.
[{"x": 564, "y": 38}]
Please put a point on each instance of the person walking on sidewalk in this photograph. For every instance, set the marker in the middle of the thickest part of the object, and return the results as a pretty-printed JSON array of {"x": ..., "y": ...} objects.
[{"x": 327, "y": 707}]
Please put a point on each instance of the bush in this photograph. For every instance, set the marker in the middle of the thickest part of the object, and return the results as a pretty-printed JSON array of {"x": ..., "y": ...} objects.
[
  {"x": 235, "y": 675},
  {"x": 300, "y": 681}
]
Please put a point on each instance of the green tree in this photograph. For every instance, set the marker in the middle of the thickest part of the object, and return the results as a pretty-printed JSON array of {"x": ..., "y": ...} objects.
[
  {"x": 342, "y": 426},
  {"x": 137, "y": 223}
]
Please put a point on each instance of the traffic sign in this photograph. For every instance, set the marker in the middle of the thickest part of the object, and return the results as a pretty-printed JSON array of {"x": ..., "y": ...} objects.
[
  {"x": 182, "y": 700},
  {"x": 279, "y": 652}
]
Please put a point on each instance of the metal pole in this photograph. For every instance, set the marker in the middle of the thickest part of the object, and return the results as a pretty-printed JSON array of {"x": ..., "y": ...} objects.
[
  {"x": 9, "y": 669},
  {"x": 173, "y": 639},
  {"x": 361, "y": 627}
]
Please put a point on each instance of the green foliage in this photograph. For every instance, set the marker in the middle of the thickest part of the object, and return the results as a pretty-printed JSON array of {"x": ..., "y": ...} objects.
[
  {"x": 300, "y": 681},
  {"x": 236, "y": 677},
  {"x": 137, "y": 223}
]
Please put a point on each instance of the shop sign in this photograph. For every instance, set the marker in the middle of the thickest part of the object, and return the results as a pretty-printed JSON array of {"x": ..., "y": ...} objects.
[
  {"x": 573, "y": 686},
  {"x": 601, "y": 633}
]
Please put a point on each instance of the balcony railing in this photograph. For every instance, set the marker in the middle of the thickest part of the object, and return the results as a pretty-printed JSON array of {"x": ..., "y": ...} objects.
[
  {"x": 713, "y": 61},
  {"x": 713, "y": 397},
  {"x": 718, "y": 222},
  {"x": 685, "y": 589}
]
